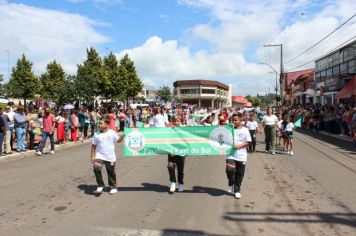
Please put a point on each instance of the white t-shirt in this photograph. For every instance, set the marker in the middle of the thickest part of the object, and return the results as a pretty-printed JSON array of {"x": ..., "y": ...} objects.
[
  {"x": 252, "y": 125},
  {"x": 279, "y": 124},
  {"x": 289, "y": 127},
  {"x": 159, "y": 121},
  {"x": 241, "y": 135},
  {"x": 105, "y": 145},
  {"x": 270, "y": 120},
  {"x": 11, "y": 118}
]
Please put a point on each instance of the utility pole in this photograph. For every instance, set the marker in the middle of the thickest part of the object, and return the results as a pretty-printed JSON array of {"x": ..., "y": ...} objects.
[{"x": 281, "y": 74}]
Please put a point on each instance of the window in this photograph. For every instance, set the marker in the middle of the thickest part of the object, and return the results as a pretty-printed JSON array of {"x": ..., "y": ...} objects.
[
  {"x": 329, "y": 73},
  {"x": 351, "y": 67},
  {"x": 318, "y": 77},
  {"x": 343, "y": 68},
  {"x": 189, "y": 91},
  {"x": 336, "y": 71},
  {"x": 208, "y": 91}
]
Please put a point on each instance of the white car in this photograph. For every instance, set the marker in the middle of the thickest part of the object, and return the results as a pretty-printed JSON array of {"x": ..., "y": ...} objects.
[{"x": 3, "y": 100}]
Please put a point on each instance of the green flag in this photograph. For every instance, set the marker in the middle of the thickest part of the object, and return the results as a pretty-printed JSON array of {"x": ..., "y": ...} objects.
[{"x": 298, "y": 123}]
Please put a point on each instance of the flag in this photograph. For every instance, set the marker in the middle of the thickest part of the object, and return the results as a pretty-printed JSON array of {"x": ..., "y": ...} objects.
[{"x": 298, "y": 123}]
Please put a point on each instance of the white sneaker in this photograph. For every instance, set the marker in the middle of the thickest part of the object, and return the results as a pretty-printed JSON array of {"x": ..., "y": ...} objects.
[
  {"x": 291, "y": 153},
  {"x": 39, "y": 153},
  {"x": 273, "y": 153},
  {"x": 99, "y": 190},
  {"x": 113, "y": 190},
  {"x": 52, "y": 152},
  {"x": 181, "y": 188},
  {"x": 288, "y": 152},
  {"x": 230, "y": 189},
  {"x": 237, "y": 195},
  {"x": 173, "y": 187}
]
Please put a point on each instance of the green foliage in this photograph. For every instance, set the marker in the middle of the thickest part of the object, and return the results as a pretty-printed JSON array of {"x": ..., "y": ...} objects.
[
  {"x": 90, "y": 76},
  {"x": 23, "y": 83},
  {"x": 53, "y": 81},
  {"x": 165, "y": 93},
  {"x": 69, "y": 92},
  {"x": 113, "y": 84},
  {"x": 132, "y": 81},
  {"x": 255, "y": 101}
]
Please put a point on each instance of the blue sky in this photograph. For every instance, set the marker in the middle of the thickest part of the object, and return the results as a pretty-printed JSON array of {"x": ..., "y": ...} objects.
[{"x": 175, "y": 39}]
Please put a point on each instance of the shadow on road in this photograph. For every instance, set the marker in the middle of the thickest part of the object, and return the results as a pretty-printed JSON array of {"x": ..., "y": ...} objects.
[
  {"x": 165, "y": 189},
  {"x": 176, "y": 232},
  {"x": 89, "y": 189},
  {"x": 348, "y": 219},
  {"x": 341, "y": 144}
]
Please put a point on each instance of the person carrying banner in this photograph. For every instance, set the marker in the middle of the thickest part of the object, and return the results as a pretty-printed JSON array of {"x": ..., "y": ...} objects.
[
  {"x": 176, "y": 161},
  {"x": 103, "y": 153},
  {"x": 236, "y": 161}
]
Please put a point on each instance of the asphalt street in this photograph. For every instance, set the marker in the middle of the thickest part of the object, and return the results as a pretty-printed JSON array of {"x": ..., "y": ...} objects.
[{"x": 311, "y": 193}]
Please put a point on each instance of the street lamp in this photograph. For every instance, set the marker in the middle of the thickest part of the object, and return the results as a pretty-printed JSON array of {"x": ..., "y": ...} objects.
[{"x": 277, "y": 74}]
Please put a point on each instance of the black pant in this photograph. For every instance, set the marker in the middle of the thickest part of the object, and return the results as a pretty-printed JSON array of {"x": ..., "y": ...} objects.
[
  {"x": 85, "y": 131},
  {"x": 122, "y": 125},
  {"x": 32, "y": 140},
  {"x": 235, "y": 171},
  {"x": 110, "y": 169},
  {"x": 92, "y": 129},
  {"x": 252, "y": 145},
  {"x": 174, "y": 161}
]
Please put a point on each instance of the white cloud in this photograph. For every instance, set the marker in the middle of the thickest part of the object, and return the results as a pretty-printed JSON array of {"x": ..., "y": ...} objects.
[
  {"x": 98, "y": 3},
  {"x": 44, "y": 35}
]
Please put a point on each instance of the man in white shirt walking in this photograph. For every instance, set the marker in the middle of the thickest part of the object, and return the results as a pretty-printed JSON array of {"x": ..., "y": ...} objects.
[{"x": 236, "y": 162}]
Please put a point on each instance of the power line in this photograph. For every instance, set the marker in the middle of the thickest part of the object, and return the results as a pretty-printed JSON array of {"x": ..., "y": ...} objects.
[
  {"x": 339, "y": 46},
  {"x": 314, "y": 45}
]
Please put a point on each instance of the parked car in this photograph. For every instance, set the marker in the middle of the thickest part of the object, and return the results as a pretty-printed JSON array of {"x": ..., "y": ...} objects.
[{"x": 4, "y": 100}]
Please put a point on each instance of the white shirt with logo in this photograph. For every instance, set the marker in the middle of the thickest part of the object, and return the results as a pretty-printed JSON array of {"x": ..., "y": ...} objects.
[
  {"x": 270, "y": 120},
  {"x": 252, "y": 125},
  {"x": 241, "y": 135},
  {"x": 159, "y": 121},
  {"x": 289, "y": 127},
  {"x": 105, "y": 145}
]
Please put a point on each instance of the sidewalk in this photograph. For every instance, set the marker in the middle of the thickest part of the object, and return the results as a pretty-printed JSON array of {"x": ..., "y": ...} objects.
[
  {"x": 340, "y": 137},
  {"x": 46, "y": 150}
]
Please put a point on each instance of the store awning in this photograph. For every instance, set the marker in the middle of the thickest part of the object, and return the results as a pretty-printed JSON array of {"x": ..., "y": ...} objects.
[{"x": 348, "y": 90}]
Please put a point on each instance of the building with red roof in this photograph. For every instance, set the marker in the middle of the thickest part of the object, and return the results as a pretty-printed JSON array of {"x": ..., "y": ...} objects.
[{"x": 289, "y": 79}]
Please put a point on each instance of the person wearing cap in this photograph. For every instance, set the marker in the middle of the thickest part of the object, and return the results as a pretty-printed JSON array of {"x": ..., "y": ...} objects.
[
  {"x": 48, "y": 130},
  {"x": 20, "y": 125}
]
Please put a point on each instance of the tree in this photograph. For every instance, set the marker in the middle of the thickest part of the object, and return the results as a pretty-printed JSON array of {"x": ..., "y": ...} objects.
[
  {"x": 23, "y": 83},
  {"x": 90, "y": 76},
  {"x": 255, "y": 101},
  {"x": 165, "y": 93},
  {"x": 53, "y": 81},
  {"x": 69, "y": 92},
  {"x": 113, "y": 84},
  {"x": 132, "y": 81}
]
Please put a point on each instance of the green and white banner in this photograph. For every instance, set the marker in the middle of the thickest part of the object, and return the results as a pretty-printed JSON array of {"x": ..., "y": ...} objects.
[{"x": 191, "y": 141}]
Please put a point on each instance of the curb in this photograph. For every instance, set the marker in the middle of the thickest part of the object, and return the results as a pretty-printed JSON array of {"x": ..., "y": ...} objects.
[
  {"x": 342, "y": 137},
  {"x": 46, "y": 150}
]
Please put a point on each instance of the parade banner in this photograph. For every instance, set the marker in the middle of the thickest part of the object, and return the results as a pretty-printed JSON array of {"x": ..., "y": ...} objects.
[{"x": 191, "y": 141}]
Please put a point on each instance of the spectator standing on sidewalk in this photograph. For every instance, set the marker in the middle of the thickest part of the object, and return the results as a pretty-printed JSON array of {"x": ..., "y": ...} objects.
[
  {"x": 61, "y": 121},
  {"x": 269, "y": 125},
  {"x": 2, "y": 131},
  {"x": 7, "y": 133},
  {"x": 9, "y": 136},
  {"x": 20, "y": 127},
  {"x": 74, "y": 124},
  {"x": 48, "y": 131},
  {"x": 81, "y": 119}
]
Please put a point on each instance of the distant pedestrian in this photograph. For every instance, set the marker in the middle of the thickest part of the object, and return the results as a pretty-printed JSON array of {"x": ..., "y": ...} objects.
[
  {"x": 252, "y": 127},
  {"x": 2, "y": 132},
  {"x": 61, "y": 121},
  {"x": 48, "y": 131},
  {"x": 20, "y": 128},
  {"x": 288, "y": 130},
  {"x": 74, "y": 124},
  {"x": 7, "y": 133},
  {"x": 236, "y": 162},
  {"x": 103, "y": 153}
]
